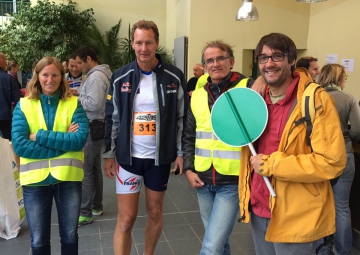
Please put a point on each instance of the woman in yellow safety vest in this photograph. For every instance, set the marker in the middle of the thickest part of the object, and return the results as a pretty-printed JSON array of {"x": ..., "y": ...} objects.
[{"x": 50, "y": 128}]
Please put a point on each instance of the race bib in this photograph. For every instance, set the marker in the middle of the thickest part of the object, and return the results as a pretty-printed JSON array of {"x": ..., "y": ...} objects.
[{"x": 144, "y": 123}]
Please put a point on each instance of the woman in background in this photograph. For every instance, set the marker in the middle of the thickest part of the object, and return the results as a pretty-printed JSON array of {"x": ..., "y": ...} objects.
[
  {"x": 50, "y": 128},
  {"x": 12, "y": 69},
  {"x": 333, "y": 78}
]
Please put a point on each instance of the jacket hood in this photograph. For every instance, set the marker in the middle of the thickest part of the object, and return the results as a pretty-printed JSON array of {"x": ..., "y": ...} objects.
[
  {"x": 105, "y": 69},
  {"x": 305, "y": 79}
]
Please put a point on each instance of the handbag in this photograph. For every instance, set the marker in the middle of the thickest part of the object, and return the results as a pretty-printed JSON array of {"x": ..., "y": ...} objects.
[
  {"x": 97, "y": 130},
  {"x": 12, "y": 211}
]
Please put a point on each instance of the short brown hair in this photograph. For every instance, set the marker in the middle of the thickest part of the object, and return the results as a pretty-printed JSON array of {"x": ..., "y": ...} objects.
[
  {"x": 11, "y": 64},
  {"x": 305, "y": 62},
  {"x": 145, "y": 24},
  {"x": 84, "y": 51},
  {"x": 34, "y": 87},
  {"x": 278, "y": 41},
  {"x": 331, "y": 74},
  {"x": 220, "y": 45}
]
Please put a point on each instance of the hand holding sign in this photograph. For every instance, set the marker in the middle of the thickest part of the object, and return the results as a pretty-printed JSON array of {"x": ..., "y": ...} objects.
[{"x": 241, "y": 122}]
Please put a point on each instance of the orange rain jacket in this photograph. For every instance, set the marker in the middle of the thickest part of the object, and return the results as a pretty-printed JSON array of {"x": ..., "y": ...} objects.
[{"x": 303, "y": 209}]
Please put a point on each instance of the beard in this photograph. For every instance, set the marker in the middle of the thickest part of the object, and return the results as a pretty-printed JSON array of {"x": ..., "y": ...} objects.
[{"x": 279, "y": 78}]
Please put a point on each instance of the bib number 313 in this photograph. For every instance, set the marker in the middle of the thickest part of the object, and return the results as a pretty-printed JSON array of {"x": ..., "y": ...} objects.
[{"x": 144, "y": 123}]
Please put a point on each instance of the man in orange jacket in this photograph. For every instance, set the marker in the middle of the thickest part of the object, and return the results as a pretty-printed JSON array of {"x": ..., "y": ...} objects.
[{"x": 303, "y": 210}]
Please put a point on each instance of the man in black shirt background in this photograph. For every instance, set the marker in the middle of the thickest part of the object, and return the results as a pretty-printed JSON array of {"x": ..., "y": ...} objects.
[{"x": 198, "y": 71}]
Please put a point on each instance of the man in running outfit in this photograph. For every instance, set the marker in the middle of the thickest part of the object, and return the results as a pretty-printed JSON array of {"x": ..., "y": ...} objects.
[{"x": 145, "y": 114}]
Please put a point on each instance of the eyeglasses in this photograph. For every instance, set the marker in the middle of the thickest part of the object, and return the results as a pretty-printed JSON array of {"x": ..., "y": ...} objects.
[
  {"x": 220, "y": 59},
  {"x": 276, "y": 57}
]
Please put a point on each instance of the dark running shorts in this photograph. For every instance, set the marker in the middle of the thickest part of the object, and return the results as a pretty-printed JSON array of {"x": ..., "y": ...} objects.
[{"x": 130, "y": 178}]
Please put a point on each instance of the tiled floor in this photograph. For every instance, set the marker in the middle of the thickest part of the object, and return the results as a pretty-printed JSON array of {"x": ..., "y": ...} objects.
[{"x": 182, "y": 233}]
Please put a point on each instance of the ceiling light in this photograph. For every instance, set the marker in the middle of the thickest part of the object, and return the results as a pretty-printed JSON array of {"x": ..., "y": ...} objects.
[
  {"x": 310, "y": 1},
  {"x": 247, "y": 11}
]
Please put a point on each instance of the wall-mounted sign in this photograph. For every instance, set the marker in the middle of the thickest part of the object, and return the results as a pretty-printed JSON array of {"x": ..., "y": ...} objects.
[
  {"x": 331, "y": 58},
  {"x": 348, "y": 64}
]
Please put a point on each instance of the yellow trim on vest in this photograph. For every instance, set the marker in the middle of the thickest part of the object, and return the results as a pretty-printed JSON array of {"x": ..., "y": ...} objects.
[
  {"x": 209, "y": 150},
  {"x": 66, "y": 167}
]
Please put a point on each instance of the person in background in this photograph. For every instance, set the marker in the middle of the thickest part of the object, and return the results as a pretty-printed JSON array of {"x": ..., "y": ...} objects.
[
  {"x": 211, "y": 166},
  {"x": 12, "y": 69},
  {"x": 299, "y": 172},
  {"x": 9, "y": 96},
  {"x": 29, "y": 76},
  {"x": 198, "y": 70},
  {"x": 30, "y": 72},
  {"x": 49, "y": 131},
  {"x": 333, "y": 79},
  {"x": 310, "y": 64},
  {"x": 65, "y": 66},
  {"x": 93, "y": 98},
  {"x": 145, "y": 114},
  {"x": 74, "y": 76}
]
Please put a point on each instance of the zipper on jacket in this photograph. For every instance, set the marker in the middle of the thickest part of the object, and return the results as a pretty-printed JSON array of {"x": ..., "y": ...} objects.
[
  {"x": 50, "y": 166},
  {"x": 217, "y": 85},
  {"x": 242, "y": 217},
  {"x": 132, "y": 121},
  {"x": 213, "y": 171},
  {"x": 213, "y": 175},
  {"x": 162, "y": 95}
]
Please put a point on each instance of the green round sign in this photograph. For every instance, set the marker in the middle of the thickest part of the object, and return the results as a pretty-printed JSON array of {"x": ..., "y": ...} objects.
[{"x": 239, "y": 117}]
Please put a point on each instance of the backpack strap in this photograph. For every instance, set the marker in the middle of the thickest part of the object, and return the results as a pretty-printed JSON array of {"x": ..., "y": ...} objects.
[
  {"x": 308, "y": 109},
  {"x": 328, "y": 240},
  {"x": 292, "y": 108}
]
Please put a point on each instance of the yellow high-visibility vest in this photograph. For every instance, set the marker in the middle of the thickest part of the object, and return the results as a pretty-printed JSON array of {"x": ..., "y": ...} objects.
[
  {"x": 66, "y": 167},
  {"x": 209, "y": 150}
]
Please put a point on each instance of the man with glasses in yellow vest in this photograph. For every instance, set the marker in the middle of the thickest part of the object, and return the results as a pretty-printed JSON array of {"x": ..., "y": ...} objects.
[{"x": 211, "y": 166}]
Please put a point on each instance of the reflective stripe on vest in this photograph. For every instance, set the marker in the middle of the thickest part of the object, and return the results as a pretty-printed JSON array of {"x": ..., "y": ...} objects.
[
  {"x": 205, "y": 135},
  {"x": 66, "y": 167},
  {"x": 209, "y": 150},
  {"x": 54, "y": 163},
  {"x": 218, "y": 154}
]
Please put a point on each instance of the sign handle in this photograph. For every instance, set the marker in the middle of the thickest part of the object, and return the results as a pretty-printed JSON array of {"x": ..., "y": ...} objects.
[
  {"x": 247, "y": 137},
  {"x": 267, "y": 182}
]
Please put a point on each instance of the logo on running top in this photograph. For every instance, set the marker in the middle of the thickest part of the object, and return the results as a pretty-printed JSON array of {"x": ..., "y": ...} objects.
[
  {"x": 133, "y": 182},
  {"x": 172, "y": 86},
  {"x": 126, "y": 87},
  {"x": 147, "y": 117}
]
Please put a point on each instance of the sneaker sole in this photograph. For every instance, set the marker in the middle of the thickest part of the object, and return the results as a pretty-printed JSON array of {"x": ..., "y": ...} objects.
[{"x": 97, "y": 213}]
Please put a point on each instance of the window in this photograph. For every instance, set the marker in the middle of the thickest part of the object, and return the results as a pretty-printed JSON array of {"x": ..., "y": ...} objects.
[{"x": 7, "y": 7}]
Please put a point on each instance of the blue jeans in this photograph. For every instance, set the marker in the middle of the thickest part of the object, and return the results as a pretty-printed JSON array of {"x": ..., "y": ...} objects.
[
  {"x": 38, "y": 204},
  {"x": 343, "y": 235},
  {"x": 259, "y": 227},
  {"x": 219, "y": 205}
]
